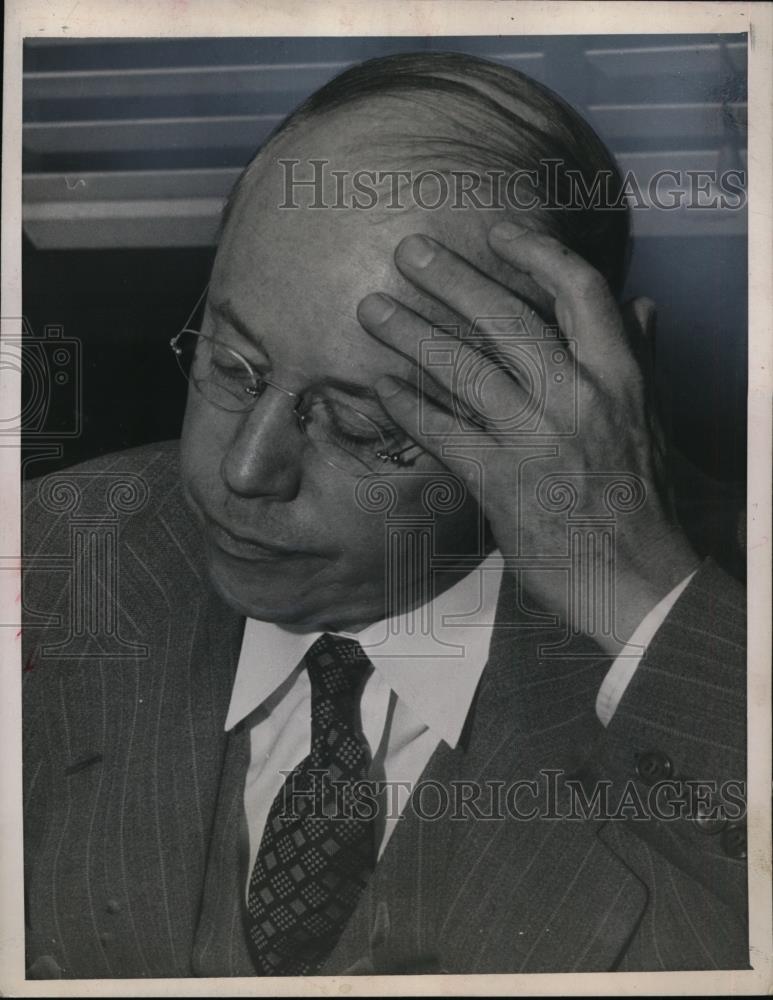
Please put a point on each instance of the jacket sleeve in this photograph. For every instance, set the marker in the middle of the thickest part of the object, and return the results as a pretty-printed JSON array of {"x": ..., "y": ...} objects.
[{"x": 678, "y": 742}]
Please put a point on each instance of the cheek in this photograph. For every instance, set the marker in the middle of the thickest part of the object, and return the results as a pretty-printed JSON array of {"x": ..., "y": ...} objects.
[
  {"x": 202, "y": 444},
  {"x": 188, "y": 435},
  {"x": 383, "y": 513},
  {"x": 348, "y": 510}
]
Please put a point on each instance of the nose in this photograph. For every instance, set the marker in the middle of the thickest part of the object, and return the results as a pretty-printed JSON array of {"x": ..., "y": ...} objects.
[{"x": 264, "y": 455}]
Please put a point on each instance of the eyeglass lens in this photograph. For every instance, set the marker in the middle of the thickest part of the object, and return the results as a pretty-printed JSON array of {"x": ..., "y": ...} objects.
[{"x": 345, "y": 437}]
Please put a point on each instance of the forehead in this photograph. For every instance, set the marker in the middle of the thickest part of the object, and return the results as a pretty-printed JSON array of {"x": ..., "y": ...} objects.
[
  {"x": 300, "y": 262},
  {"x": 295, "y": 278},
  {"x": 296, "y": 274}
]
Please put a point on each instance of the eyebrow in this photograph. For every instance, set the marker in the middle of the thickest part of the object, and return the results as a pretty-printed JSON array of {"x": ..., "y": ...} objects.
[
  {"x": 365, "y": 392},
  {"x": 226, "y": 310}
]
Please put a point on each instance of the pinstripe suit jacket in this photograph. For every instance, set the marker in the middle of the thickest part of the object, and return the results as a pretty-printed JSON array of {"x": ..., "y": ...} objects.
[{"x": 133, "y": 791}]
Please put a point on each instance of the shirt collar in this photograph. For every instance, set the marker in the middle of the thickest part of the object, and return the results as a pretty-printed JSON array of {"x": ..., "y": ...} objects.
[{"x": 431, "y": 657}]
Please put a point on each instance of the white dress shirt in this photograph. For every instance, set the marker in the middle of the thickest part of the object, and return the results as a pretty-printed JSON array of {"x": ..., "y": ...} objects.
[{"x": 426, "y": 668}]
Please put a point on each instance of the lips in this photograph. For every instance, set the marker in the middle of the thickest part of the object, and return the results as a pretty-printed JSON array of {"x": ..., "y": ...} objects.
[{"x": 243, "y": 547}]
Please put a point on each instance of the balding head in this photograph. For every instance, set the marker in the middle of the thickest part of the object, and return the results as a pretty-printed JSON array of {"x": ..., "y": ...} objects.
[
  {"x": 454, "y": 114},
  {"x": 339, "y": 254}
]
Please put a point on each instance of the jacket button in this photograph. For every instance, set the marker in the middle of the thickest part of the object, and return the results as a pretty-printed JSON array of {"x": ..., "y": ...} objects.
[
  {"x": 45, "y": 967},
  {"x": 709, "y": 820},
  {"x": 113, "y": 906},
  {"x": 733, "y": 841},
  {"x": 653, "y": 766},
  {"x": 106, "y": 937},
  {"x": 710, "y": 824}
]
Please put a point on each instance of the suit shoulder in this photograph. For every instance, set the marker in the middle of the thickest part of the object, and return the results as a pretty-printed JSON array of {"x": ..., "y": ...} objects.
[
  {"x": 121, "y": 512},
  {"x": 157, "y": 463},
  {"x": 133, "y": 485}
]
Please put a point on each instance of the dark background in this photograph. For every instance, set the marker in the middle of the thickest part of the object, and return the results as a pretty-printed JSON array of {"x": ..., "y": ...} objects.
[{"x": 122, "y": 292}]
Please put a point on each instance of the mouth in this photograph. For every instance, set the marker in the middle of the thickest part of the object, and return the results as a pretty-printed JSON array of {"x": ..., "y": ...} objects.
[{"x": 242, "y": 547}]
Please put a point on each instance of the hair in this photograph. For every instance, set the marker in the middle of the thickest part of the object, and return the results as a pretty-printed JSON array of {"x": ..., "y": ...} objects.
[{"x": 490, "y": 117}]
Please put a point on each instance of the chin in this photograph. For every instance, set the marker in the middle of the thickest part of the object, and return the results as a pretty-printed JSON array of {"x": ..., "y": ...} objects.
[
  {"x": 269, "y": 594},
  {"x": 265, "y": 604}
]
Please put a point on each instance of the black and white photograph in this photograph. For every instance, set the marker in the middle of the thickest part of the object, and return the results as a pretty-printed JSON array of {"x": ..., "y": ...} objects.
[{"x": 386, "y": 463}]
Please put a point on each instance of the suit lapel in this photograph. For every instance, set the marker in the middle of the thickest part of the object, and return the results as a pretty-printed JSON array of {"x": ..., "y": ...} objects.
[{"x": 220, "y": 946}]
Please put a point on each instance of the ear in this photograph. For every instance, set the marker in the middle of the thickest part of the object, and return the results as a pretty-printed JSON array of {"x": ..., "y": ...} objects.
[
  {"x": 640, "y": 318},
  {"x": 640, "y": 323}
]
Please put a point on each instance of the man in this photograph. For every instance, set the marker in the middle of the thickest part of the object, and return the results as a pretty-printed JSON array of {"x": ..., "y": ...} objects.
[{"x": 402, "y": 662}]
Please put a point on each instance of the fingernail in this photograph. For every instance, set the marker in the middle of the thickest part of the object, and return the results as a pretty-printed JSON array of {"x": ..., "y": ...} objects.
[
  {"x": 377, "y": 308},
  {"x": 417, "y": 250},
  {"x": 508, "y": 231},
  {"x": 387, "y": 386}
]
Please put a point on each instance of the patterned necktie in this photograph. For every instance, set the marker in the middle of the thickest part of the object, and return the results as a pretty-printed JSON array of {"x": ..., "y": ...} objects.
[{"x": 318, "y": 847}]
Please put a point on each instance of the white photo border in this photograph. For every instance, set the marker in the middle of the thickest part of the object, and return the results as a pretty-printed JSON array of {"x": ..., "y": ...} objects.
[{"x": 170, "y": 18}]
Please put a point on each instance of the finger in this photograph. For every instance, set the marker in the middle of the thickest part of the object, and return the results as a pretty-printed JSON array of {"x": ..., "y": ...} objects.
[
  {"x": 474, "y": 383},
  {"x": 485, "y": 303},
  {"x": 584, "y": 305},
  {"x": 430, "y": 426}
]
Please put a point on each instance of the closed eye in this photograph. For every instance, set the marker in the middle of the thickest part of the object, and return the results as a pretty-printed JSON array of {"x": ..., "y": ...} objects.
[{"x": 229, "y": 325}]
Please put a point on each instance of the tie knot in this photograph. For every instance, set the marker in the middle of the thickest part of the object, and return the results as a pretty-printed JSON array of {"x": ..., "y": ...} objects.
[{"x": 336, "y": 666}]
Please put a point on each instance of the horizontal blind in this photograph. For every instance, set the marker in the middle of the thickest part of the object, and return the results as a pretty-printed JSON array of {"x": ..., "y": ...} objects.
[{"x": 136, "y": 142}]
